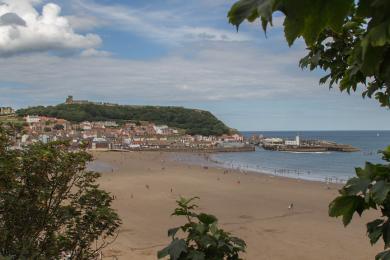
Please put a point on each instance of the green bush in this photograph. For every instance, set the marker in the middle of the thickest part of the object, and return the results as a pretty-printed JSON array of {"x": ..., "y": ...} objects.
[
  {"x": 50, "y": 205},
  {"x": 204, "y": 241}
]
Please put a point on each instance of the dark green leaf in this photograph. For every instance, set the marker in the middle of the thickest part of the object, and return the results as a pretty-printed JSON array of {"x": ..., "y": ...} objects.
[
  {"x": 374, "y": 230},
  {"x": 196, "y": 255},
  {"x": 380, "y": 190},
  {"x": 174, "y": 250},
  {"x": 355, "y": 186},
  {"x": 385, "y": 255},
  {"x": 206, "y": 218},
  {"x": 172, "y": 232},
  {"x": 346, "y": 206}
]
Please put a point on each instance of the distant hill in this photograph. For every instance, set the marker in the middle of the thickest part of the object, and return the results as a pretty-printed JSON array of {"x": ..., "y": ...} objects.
[{"x": 191, "y": 120}]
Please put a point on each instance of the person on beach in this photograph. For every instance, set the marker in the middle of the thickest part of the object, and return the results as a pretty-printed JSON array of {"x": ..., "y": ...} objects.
[{"x": 291, "y": 208}]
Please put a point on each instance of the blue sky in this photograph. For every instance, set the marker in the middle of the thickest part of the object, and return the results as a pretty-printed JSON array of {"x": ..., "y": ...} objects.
[{"x": 169, "y": 52}]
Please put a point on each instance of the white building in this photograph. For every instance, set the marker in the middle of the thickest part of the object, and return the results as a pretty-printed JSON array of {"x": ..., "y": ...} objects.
[
  {"x": 44, "y": 138},
  {"x": 110, "y": 124},
  {"x": 160, "y": 129},
  {"x": 127, "y": 141},
  {"x": 86, "y": 125},
  {"x": 294, "y": 142},
  {"x": 32, "y": 119},
  {"x": 273, "y": 140}
]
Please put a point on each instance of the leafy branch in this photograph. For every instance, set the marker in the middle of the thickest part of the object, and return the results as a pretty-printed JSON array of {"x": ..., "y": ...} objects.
[
  {"x": 369, "y": 190},
  {"x": 204, "y": 239},
  {"x": 348, "y": 39}
]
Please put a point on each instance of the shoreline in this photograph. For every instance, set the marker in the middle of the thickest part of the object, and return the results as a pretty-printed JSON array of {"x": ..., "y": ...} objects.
[
  {"x": 208, "y": 160},
  {"x": 251, "y": 206}
]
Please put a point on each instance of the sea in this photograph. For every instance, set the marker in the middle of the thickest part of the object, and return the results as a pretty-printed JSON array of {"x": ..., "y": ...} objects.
[{"x": 335, "y": 167}]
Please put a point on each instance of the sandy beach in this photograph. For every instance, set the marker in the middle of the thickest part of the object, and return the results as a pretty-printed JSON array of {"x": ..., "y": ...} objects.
[{"x": 251, "y": 206}]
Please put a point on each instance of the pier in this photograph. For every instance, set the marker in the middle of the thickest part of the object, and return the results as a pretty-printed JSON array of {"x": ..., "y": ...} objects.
[{"x": 301, "y": 145}]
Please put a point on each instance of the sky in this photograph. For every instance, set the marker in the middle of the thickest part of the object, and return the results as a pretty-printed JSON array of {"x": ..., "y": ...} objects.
[{"x": 169, "y": 52}]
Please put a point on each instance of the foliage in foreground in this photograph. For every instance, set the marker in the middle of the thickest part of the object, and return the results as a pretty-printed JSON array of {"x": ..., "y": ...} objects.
[
  {"x": 369, "y": 190},
  {"x": 348, "y": 39},
  {"x": 204, "y": 241},
  {"x": 50, "y": 206}
]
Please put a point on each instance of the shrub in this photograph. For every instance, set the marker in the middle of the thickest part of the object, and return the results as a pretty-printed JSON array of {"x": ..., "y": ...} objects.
[
  {"x": 50, "y": 205},
  {"x": 204, "y": 239}
]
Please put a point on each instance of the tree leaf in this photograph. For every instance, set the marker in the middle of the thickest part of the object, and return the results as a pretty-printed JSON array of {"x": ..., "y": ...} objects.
[
  {"x": 356, "y": 185},
  {"x": 172, "y": 232},
  {"x": 252, "y": 9},
  {"x": 346, "y": 206},
  {"x": 207, "y": 218},
  {"x": 380, "y": 190},
  {"x": 174, "y": 249},
  {"x": 385, "y": 255},
  {"x": 196, "y": 255},
  {"x": 386, "y": 233},
  {"x": 374, "y": 230}
]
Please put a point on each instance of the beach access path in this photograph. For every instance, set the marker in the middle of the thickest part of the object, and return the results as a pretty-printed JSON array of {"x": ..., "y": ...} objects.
[{"x": 251, "y": 206}]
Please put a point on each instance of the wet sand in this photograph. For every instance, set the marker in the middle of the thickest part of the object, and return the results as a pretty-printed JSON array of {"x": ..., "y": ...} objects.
[{"x": 253, "y": 207}]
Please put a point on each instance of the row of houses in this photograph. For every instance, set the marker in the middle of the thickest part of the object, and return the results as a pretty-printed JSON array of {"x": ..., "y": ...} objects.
[{"x": 110, "y": 135}]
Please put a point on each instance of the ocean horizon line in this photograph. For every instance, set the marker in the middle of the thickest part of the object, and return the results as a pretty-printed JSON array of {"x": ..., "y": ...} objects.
[{"x": 363, "y": 130}]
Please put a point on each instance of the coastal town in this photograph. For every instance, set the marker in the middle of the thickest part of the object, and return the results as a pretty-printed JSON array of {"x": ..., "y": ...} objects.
[
  {"x": 137, "y": 135},
  {"x": 109, "y": 135}
]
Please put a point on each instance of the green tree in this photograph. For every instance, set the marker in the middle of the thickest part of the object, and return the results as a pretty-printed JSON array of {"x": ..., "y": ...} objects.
[
  {"x": 50, "y": 205},
  {"x": 204, "y": 241},
  {"x": 350, "y": 40}
]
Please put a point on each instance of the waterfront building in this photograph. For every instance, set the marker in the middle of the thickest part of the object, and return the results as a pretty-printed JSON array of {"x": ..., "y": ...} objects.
[
  {"x": 273, "y": 140},
  {"x": 293, "y": 142}
]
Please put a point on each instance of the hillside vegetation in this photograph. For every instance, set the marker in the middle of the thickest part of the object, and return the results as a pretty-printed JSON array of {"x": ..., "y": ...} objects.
[{"x": 191, "y": 120}]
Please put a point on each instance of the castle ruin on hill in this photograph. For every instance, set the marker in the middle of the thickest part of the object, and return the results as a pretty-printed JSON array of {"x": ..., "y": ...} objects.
[{"x": 70, "y": 101}]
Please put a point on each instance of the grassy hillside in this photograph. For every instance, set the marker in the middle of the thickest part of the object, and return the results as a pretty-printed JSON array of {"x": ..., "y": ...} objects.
[{"x": 191, "y": 120}]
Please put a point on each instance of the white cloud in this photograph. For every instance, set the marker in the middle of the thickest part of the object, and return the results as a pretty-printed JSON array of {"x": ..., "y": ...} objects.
[
  {"x": 213, "y": 73},
  {"x": 84, "y": 23},
  {"x": 94, "y": 53},
  {"x": 24, "y": 29},
  {"x": 164, "y": 26}
]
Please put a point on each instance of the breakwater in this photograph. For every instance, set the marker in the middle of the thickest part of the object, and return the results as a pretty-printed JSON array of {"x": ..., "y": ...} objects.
[{"x": 311, "y": 149}]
